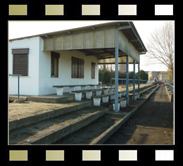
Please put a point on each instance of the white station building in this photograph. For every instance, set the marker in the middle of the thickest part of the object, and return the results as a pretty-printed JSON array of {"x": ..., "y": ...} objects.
[{"x": 70, "y": 57}]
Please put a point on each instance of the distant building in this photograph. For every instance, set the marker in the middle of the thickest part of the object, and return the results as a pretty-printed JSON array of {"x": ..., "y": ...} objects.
[
  {"x": 163, "y": 76},
  {"x": 160, "y": 75}
]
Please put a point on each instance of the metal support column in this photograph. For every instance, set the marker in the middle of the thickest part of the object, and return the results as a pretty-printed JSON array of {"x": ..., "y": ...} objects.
[
  {"x": 133, "y": 79},
  {"x": 18, "y": 86},
  {"x": 127, "y": 80},
  {"x": 139, "y": 77},
  {"x": 116, "y": 65},
  {"x": 116, "y": 77},
  {"x": 111, "y": 83}
]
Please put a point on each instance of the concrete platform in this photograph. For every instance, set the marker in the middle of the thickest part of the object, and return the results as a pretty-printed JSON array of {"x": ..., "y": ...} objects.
[{"x": 46, "y": 98}]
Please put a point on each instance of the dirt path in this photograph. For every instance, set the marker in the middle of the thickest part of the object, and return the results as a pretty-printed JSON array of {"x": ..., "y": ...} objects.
[{"x": 151, "y": 124}]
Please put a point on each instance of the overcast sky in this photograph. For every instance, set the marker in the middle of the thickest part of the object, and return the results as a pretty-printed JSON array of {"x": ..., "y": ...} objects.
[{"x": 27, "y": 28}]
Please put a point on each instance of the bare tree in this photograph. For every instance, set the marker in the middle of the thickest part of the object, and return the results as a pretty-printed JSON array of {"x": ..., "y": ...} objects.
[{"x": 161, "y": 46}]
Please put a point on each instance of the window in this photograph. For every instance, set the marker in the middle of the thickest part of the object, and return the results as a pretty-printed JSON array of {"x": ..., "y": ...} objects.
[
  {"x": 20, "y": 61},
  {"x": 77, "y": 68},
  {"x": 92, "y": 70},
  {"x": 54, "y": 64}
]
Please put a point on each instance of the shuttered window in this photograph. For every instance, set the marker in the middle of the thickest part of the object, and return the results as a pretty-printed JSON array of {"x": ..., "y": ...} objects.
[
  {"x": 77, "y": 70},
  {"x": 54, "y": 64},
  {"x": 20, "y": 61},
  {"x": 92, "y": 70}
]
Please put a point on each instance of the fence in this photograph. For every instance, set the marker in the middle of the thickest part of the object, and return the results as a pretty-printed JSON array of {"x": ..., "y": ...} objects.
[
  {"x": 123, "y": 81},
  {"x": 170, "y": 87}
]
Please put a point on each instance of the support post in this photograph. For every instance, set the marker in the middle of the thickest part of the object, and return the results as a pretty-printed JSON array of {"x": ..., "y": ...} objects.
[
  {"x": 133, "y": 79},
  {"x": 127, "y": 80},
  {"x": 139, "y": 77},
  {"x": 111, "y": 82},
  {"x": 116, "y": 78},
  {"x": 116, "y": 65},
  {"x": 18, "y": 86}
]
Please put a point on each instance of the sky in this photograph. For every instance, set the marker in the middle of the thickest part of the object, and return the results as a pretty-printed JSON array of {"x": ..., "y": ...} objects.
[{"x": 145, "y": 28}]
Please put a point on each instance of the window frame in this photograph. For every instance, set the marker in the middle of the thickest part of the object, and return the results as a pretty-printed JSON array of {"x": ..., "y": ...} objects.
[
  {"x": 20, "y": 51},
  {"x": 93, "y": 64},
  {"x": 55, "y": 56},
  {"x": 77, "y": 68}
]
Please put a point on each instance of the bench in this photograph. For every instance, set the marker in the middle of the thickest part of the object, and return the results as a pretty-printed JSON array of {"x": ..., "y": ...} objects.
[
  {"x": 137, "y": 95},
  {"x": 103, "y": 85},
  {"x": 78, "y": 93},
  {"x": 60, "y": 88},
  {"x": 106, "y": 90},
  {"x": 104, "y": 97},
  {"x": 111, "y": 89},
  {"x": 97, "y": 86},
  {"x": 121, "y": 103},
  {"x": 123, "y": 92}
]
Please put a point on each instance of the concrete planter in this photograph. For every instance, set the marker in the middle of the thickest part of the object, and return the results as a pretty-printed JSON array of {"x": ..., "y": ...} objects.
[
  {"x": 112, "y": 97},
  {"x": 88, "y": 95},
  {"x": 96, "y": 101},
  {"x": 123, "y": 103},
  {"x": 71, "y": 89},
  {"x": 98, "y": 92},
  {"x": 106, "y": 91},
  {"x": 113, "y": 105},
  {"x": 136, "y": 97},
  {"x": 60, "y": 91},
  {"x": 78, "y": 96},
  {"x": 123, "y": 93},
  {"x": 105, "y": 99}
]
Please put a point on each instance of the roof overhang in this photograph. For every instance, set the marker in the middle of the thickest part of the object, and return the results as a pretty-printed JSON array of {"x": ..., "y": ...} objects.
[{"x": 97, "y": 40}]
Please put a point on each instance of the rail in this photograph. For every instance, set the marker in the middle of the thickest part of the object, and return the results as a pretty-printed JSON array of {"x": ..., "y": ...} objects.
[
  {"x": 171, "y": 87},
  {"x": 123, "y": 81}
]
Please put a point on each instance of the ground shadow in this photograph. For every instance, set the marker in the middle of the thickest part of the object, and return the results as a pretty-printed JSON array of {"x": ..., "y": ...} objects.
[{"x": 155, "y": 113}]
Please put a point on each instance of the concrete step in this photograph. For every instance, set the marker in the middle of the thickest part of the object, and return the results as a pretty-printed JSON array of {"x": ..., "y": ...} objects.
[
  {"x": 44, "y": 115},
  {"x": 101, "y": 129},
  {"x": 98, "y": 131},
  {"x": 15, "y": 97},
  {"x": 50, "y": 130},
  {"x": 52, "y": 98}
]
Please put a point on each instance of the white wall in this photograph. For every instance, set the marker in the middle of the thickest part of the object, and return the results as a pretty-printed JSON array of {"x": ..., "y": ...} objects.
[
  {"x": 46, "y": 82},
  {"x": 28, "y": 84},
  {"x": 39, "y": 80}
]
